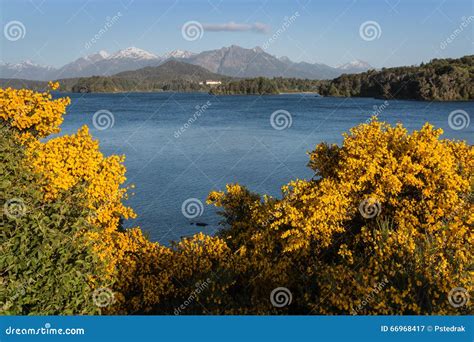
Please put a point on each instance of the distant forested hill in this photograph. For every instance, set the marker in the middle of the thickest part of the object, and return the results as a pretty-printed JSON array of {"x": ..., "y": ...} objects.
[
  {"x": 440, "y": 79},
  {"x": 266, "y": 86},
  {"x": 170, "y": 76},
  {"x": 26, "y": 84},
  {"x": 172, "y": 70}
]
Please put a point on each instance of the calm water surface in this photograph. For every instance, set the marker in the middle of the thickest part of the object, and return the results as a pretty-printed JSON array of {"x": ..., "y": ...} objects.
[{"x": 231, "y": 140}]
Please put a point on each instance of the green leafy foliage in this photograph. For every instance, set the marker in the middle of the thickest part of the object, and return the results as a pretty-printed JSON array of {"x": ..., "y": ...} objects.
[{"x": 46, "y": 267}]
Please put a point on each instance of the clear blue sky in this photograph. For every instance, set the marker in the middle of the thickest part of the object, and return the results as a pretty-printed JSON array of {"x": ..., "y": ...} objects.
[{"x": 325, "y": 31}]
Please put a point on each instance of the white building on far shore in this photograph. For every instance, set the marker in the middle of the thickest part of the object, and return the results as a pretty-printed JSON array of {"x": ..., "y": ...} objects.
[{"x": 210, "y": 82}]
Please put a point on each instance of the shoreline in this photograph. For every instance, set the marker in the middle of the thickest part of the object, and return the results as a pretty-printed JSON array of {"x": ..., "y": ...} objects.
[{"x": 276, "y": 94}]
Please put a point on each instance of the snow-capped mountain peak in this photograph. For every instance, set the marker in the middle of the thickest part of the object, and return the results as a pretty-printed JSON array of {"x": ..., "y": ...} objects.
[
  {"x": 355, "y": 64},
  {"x": 25, "y": 65},
  {"x": 97, "y": 56},
  {"x": 354, "y": 67},
  {"x": 26, "y": 70},
  {"x": 133, "y": 53},
  {"x": 178, "y": 54},
  {"x": 226, "y": 61},
  {"x": 103, "y": 54},
  {"x": 28, "y": 62}
]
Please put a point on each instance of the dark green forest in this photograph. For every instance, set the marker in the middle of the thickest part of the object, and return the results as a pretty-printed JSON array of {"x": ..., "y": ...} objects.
[
  {"x": 267, "y": 86},
  {"x": 438, "y": 80}
]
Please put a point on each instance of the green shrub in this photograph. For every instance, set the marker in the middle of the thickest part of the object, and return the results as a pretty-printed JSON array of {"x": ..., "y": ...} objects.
[{"x": 46, "y": 267}]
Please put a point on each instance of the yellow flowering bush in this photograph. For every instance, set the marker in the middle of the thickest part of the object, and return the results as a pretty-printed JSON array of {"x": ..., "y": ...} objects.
[
  {"x": 67, "y": 161},
  {"x": 45, "y": 261},
  {"x": 417, "y": 238},
  {"x": 32, "y": 113},
  {"x": 203, "y": 266},
  {"x": 384, "y": 226},
  {"x": 386, "y": 209},
  {"x": 144, "y": 272},
  {"x": 72, "y": 162}
]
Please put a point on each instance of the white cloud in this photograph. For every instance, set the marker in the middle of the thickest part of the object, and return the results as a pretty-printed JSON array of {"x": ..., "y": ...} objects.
[{"x": 236, "y": 27}]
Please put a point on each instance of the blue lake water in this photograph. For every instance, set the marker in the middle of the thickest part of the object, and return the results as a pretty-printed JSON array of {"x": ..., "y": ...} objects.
[{"x": 229, "y": 139}]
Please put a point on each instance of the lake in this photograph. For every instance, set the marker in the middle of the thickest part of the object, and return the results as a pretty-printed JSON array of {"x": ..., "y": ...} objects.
[{"x": 180, "y": 146}]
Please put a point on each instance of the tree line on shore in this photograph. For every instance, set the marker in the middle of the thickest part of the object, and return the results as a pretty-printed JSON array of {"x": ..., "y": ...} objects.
[{"x": 438, "y": 80}]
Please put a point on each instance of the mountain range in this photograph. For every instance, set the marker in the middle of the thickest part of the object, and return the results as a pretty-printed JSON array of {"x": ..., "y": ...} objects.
[
  {"x": 233, "y": 61},
  {"x": 169, "y": 71}
]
